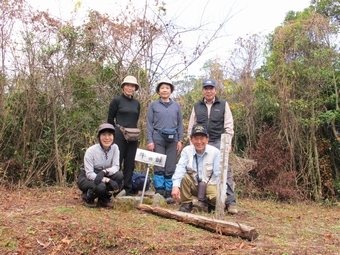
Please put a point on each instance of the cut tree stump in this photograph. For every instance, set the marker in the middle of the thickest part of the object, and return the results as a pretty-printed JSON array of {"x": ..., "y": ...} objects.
[{"x": 214, "y": 225}]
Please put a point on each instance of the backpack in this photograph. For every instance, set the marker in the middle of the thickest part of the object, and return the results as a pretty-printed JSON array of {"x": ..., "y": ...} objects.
[{"x": 138, "y": 182}]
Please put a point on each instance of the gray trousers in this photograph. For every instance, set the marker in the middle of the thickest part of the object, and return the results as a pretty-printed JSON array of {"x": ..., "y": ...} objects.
[
  {"x": 170, "y": 150},
  {"x": 231, "y": 198}
]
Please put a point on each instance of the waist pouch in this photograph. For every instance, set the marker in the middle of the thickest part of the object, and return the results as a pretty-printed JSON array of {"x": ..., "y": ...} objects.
[
  {"x": 168, "y": 135},
  {"x": 130, "y": 134}
]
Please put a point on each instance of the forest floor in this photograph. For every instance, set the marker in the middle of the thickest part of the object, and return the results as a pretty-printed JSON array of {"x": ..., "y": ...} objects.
[{"x": 54, "y": 221}]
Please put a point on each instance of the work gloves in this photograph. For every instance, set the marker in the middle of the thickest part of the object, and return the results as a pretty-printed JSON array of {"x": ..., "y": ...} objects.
[
  {"x": 99, "y": 177},
  {"x": 113, "y": 185}
]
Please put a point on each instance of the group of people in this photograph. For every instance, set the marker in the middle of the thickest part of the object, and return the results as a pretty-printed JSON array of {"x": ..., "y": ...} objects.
[{"x": 109, "y": 164}]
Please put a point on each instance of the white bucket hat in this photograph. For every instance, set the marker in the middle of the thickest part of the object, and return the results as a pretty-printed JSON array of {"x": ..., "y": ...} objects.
[
  {"x": 165, "y": 81},
  {"x": 131, "y": 80}
]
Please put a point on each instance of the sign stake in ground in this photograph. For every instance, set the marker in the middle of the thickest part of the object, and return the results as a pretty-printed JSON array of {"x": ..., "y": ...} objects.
[
  {"x": 150, "y": 158},
  {"x": 222, "y": 181}
]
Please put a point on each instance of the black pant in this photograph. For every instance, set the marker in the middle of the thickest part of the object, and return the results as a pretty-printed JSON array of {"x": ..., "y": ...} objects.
[
  {"x": 127, "y": 153},
  {"x": 102, "y": 189}
]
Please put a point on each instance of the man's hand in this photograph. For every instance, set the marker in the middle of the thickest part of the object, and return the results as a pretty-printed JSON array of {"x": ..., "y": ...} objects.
[{"x": 176, "y": 193}]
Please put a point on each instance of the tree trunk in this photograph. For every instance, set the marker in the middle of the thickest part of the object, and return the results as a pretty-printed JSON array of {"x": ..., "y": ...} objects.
[
  {"x": 59, "y": 175},
  {"x": 214, "y": 225}
]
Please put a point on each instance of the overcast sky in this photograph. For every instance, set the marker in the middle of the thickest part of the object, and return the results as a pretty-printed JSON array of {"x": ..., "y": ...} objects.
[{"x": 247, "y": 16}]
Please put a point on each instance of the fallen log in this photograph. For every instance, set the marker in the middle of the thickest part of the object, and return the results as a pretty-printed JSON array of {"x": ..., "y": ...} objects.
[{"x": 214, "y": 225}]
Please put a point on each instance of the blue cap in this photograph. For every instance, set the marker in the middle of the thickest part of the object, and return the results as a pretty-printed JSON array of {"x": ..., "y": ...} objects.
[
  {"x": 199, "y": 129},
  {"x": 209, "y": 82}
]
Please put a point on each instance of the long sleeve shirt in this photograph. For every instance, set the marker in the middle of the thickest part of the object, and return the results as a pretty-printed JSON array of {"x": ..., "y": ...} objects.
[
  {"x": 163, "y": 116},
  {"x": 227, "y": 119},
  {"x": 123, "y": 111},
  {"x": 97, "y": 159},
  {"x": 202, "y": 167}
]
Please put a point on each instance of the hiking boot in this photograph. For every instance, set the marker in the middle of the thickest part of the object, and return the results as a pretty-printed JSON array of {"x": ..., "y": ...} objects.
[
  {"x": 232, "y": 209},
  {"x": 90, "y": 204},
  {"x": 106, "y": 202},
  {"x": 90, "y": 195},
  {"x": 211, "y": 208},
  {"x": 160, "y": 191},
  {"x": 168, "y": 197},
  {"x": 186, "y": 207},
  {"x": 87, "y": 202},
  {"x": 201, "y": 206},
  {"x": 170, "y": 201}
]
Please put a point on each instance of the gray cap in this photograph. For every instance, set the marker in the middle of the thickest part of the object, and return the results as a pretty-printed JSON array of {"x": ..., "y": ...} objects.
[{"x": 106, "y": 126}]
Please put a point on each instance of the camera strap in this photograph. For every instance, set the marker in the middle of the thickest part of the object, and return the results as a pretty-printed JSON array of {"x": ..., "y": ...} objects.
[{"x": 198, "y": 179}]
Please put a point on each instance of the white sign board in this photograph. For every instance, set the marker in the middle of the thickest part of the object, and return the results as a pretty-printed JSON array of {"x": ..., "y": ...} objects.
[{"x": 150, "y": 157}]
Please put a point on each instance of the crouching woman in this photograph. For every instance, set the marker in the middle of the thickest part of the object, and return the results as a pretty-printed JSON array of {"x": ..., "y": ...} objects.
[{"x": 101, "y": 170}]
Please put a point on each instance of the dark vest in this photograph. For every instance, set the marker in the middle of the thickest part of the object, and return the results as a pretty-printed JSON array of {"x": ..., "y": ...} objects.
[{"x": 214, "y": 124}]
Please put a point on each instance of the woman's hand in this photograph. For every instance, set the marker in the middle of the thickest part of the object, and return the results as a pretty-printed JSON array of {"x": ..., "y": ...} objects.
[
  {"x": 151, "y": 146},
  {"x": 179, "y": 146}
]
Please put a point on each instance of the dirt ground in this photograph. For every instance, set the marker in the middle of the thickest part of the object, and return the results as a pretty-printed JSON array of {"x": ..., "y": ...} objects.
[{"x": 54, "y": 221}]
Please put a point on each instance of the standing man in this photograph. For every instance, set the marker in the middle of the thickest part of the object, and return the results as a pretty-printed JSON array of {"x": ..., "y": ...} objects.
[{"x": 216, "y": 115}]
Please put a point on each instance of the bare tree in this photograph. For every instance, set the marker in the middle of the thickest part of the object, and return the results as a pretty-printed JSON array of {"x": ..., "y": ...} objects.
[
  {"x": 61, "y": 77},
  {"x": 242, "y": 64}
]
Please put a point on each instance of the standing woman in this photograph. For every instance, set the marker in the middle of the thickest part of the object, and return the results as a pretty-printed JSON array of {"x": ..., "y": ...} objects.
[
  {"x": 165, "y": 135},
  {"x": 124, "y": 111}
]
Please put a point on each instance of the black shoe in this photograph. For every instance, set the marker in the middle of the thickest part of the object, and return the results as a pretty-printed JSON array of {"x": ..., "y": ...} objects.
[
  {"x": 90, "y": 204},
  {"x": 200, "y": 205},
  {"x": 170, "y": 201},
  {"x": 211, "y": 208},
  {"x": 186, "y": 207},
  {"x": 168, "y": 198},
  {"x": 160, "y": 191},
  {"x": 90, "y": 195},
  {"x": 87, "y": 202}
]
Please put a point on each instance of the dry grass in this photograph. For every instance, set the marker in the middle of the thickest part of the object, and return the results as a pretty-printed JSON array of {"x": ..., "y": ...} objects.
[{"x": 53, "y": 221}]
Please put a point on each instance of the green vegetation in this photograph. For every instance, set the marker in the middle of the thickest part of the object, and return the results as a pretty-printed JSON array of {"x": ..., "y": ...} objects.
[{"x": 58, "y": 78}]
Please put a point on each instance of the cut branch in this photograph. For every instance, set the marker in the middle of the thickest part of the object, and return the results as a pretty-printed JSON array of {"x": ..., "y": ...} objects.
[{"x": 214, "y": 225}]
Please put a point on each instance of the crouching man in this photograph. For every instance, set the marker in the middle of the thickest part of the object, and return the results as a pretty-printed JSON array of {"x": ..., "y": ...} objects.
[
  {"x": 101, "y": 170},
  {"x": 197, "y": 172}
]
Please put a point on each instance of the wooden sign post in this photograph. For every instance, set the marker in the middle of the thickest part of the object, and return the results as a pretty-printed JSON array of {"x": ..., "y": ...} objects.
[
  {"x": 222, "y": 182},
  {"x": 151, "y": 158}
]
